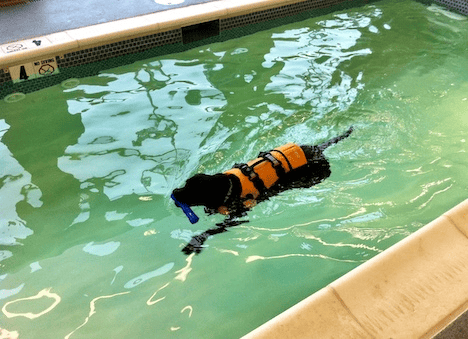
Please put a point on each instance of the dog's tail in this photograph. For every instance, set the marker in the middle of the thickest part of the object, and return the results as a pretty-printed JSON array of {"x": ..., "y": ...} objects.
[{"x": 333, "y": 141}]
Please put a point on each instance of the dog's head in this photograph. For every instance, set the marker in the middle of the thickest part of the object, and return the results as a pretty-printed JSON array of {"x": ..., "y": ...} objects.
[{"x": 201, "y": 189}]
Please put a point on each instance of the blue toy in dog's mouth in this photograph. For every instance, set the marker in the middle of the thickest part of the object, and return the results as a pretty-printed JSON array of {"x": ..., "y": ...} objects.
[{"x": 192, "y": 217}]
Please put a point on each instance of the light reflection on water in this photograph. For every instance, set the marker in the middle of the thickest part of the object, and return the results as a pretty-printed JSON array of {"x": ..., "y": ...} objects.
[
  {"x": 91, "y": 242},
  {"x": 164, "y": 125}
]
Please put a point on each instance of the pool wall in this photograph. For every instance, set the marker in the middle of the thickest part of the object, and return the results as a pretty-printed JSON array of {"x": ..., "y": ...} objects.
[
  {"x": 412, "y": 290},
  {"x": 460, "y": 6}
]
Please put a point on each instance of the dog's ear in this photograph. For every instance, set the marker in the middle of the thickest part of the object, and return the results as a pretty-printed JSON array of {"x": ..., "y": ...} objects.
[{"x": 197, "y": 182}]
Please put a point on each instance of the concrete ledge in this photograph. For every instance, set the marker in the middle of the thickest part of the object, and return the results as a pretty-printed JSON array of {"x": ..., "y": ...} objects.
[
  {"x": 414, "y": 289},
  {"x": 109, "y": 32}
]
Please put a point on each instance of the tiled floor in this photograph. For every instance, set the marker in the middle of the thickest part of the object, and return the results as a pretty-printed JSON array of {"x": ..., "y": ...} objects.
[{"x": 456, "y": 330}]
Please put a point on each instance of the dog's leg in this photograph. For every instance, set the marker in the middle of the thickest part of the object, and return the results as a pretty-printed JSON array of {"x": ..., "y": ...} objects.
[{"x": 196, "y": 243}]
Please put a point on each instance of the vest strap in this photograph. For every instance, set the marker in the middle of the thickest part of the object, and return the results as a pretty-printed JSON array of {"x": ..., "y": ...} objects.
[
  {"x": 285, "y": 157},
  {"x": 277, "y": 165},
  {"x": 258, "y": 175},
  {"x": 249, "y": 172}
]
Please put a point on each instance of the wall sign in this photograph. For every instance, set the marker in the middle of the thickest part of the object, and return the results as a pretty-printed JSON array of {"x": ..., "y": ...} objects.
[{"x": 34, "y": 70}]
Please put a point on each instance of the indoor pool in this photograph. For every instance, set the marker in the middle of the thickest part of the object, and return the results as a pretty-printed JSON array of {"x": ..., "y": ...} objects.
[{"x": 91, "y": 242}]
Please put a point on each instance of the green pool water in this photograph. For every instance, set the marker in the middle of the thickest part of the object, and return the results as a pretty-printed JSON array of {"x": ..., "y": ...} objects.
[{"x": 90, "y": 241}]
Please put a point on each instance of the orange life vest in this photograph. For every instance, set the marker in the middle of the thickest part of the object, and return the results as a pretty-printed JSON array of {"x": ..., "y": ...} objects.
[{"x": 263, "y": 172}]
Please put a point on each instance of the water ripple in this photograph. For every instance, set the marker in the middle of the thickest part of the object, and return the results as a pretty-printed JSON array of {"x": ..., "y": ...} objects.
[{"x": 253, "y": 258}]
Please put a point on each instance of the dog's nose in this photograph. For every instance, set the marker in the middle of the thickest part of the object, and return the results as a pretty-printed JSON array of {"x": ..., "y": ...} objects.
[{"x": 176, "y": 193}]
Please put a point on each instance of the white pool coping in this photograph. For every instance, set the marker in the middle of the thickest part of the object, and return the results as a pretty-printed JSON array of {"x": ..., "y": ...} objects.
[
  {"x": 414, "y": 289},
  {"x": 114, "y": 31}
]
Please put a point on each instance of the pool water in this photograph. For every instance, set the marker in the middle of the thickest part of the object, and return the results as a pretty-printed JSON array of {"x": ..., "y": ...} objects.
[{"x": 90, "y": 241}]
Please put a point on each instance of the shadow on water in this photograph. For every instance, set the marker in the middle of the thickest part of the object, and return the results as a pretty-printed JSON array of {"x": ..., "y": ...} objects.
[{"x": 36, "y": 139}]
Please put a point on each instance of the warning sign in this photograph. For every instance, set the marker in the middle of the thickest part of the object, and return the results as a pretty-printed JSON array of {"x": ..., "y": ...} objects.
[
  {"x": 45, "y": 67},
  {"x": 34, "y": 70}
]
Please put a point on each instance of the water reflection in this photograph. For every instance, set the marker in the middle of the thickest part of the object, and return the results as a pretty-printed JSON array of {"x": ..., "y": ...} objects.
[
  {"x": 142, "y": 129},
  {"x": 312, "y": 75},
  {"x": 117, "y": 270},
  {"x": 432, "y": 189},
  {"x": 8, "y": 293},
  {"x": 101, "y": 249},
  {"x": 183, "y": 272},
  {"x": 92, "y": 310},
  {"x": 151, "y": 301},
  {"x": 15, "y": 186},
  {"x": 149, "y": 275},
  {"x": 311, "y": 236},
  {"x": 253, "y": 258},
  {"x": 44, "y": 293},
  {"x": 4, "y": 333}
]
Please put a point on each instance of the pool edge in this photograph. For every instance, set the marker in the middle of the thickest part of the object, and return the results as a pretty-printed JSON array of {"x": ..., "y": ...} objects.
[
  {"x": 389, "y": 296},
  {"x": 101, "y": 34},
  {"x": 37, "y": 62},
  {"x": 21, "y": 61}
]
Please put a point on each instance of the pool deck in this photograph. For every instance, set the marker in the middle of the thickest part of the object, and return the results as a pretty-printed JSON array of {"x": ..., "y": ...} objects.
[
  {"x": 42, "y": 17},
  {"x": 415, "y": 289}
]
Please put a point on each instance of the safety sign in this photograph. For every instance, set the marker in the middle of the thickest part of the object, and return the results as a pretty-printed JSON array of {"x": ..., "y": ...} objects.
[{"x": 34, "y": 70}]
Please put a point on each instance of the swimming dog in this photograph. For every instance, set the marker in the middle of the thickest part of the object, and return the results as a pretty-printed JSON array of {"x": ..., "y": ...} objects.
[{"x": 237, "y": 190}]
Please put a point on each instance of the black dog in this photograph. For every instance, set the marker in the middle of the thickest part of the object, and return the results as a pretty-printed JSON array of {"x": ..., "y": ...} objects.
[{"x": 234, "y": 192}]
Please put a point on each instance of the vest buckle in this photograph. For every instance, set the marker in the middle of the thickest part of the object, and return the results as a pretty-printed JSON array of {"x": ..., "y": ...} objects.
[{"x": 247, "y": 171}]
